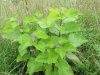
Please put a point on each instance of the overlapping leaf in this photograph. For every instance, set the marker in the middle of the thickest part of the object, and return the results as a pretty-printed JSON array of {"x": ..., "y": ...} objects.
[
  {"x": 76, "y": 40},
  {"x": 64, "y": 67},
  {"x": 33, "y": 66},
  {"x": 41, "y": 34}
]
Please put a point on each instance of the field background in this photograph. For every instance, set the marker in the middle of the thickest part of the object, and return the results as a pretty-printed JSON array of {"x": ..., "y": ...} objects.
[{"x": 90, "y": 24}]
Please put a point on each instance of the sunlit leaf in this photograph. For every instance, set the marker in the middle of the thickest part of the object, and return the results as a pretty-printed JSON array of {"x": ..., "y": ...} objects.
[
  {"x": 61, "y": 51},
  {"x": 53, "y": 16},
  {"x": 54, "y": 31},
  {"x": 24, "y": 57},
  {"x": 25, "y": 41},
  {"x": 14, "y": 17},
  {"x": 26, "y": 29},
  {"x": 64, "y": 67},
  {"x": 43, "y": 23},
  {"x": 69, "y": 27},
  {"x": 38, "y": 14},
  {"x": 22, "y": 52},
  {"x": 41, "y": 34},
  {"x": 53, "y": 56},
  {"x": 48, "y": 69},
  {"x": 42, "y": 57},
  {"x": 42, "y": 46},
  {"x": 63, "y": 40},
  {"x": 10, "y": 27},
  {"x": 50, "y": 44},
  {"x": 69, "y": 48},
  {"x": 33, "y": 66},
  {"x": 68, "y": 20},
  {"x": 76, "y": 40}
]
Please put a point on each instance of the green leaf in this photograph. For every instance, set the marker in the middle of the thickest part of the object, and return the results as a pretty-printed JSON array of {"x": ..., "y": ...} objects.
[
  {"x": 55, "y": 39},
  {"x": 25, "y": 41},
  {"x": 63, "y": 40},
  {"x": 38, "y": 14},
  {"x": 22, "y": 52},
  {"x": 73, "y": 58},
  {"x": 53, "y": 56},
  {"x": 48, "y": 69},
  {"x": 26, "y": 29},
  {"x": 73, "y": 13},
  {"x": 54, "y": 30},
  {"x": 14, "y": 17},
  {"x": 53, "y": 16},
  {"x": 69, "y": 27},
  {"x": 29, "y": 20},
  {"x": 69, "y": 20},
  {"x": 55, "y": 72},
  {"x": 42, "y": 46},
  {"x": 50, "y": 44},
  {"x": 33, "y": 66},
  {"x": 12, "y": 35},
  {"x": 24, "y": 57},
  {"x": 42, "y": 57},
  {"x": 61, "y": 51},
  {"x": 10, "y": 27},
  {"x": 43, "y": 23},
  {"x": 51, "y": 70},
  {"x": 64, "y": 67},
  {"x": 69, "y": 48},
  {"x": 41, "y": 34},
  {"x": 11, "y": 31},
  {"x": 76, "y": 40}
]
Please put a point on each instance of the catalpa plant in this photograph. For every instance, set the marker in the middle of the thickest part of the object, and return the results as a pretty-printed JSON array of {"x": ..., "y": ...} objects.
[{"x": 46, "y": 42}]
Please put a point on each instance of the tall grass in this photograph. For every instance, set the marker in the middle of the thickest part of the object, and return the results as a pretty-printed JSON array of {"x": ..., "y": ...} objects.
[{"x": 89, "y": 23}]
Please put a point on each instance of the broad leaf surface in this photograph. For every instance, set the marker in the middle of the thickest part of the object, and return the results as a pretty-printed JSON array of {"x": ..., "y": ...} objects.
[
  {"x": 25, "y": 41},
  {"x": 69, "y": 27},
  {"x": 53, "y": 56},
  {"x": 43, "y": 23},
  {"x": 63, "y": 40},
  {"x": 61, "y": 51},
  {"x": 76, "y": 40},
  {"x": 24, "y": 57},
  {"x": 50, "y": 70},
  {"x": 33, "y": 66},
  {"x": 22, "y": 52},
  {"x": 69, "y": 48},
  {"x": 53, "y": 16},
  {"x": 40, "y": 46},
  {"x": 42, "y": 57},
  {"x": 73, "y": 58},
  {"x": 41, "y": 34},
  {"x": 64, "y": 67}
]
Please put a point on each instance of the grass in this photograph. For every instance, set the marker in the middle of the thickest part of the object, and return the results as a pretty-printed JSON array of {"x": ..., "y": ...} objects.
[{"x": 89, "y": 23}]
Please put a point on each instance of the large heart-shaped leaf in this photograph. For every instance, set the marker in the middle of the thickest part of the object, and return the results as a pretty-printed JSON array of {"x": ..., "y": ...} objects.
[
  {"x": 53, "y": 56},
  {"x": 43, "y": 23},
  {"x": 61, "y": 51},
  {"x": 41, "y": 34},
  {"x": 25, "y": 41},
  {"x": 64, "y": 67},
  {"x": 42, "y": 57},
  {"x": 33, "y": 66},
  {"x": 76, "y": 40},
  {"x": 69, "y": 27}
]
